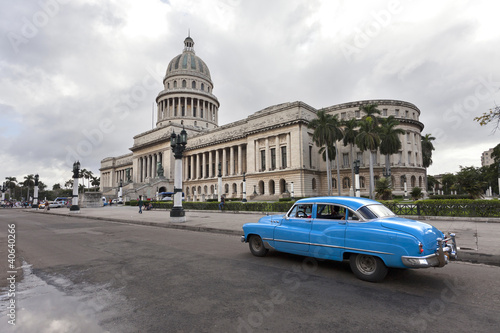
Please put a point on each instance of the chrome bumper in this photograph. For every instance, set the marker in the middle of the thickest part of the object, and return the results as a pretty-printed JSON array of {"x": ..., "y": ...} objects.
[
  {"x": 243, "y": 240},
  {"x": 447, "y": 249}
]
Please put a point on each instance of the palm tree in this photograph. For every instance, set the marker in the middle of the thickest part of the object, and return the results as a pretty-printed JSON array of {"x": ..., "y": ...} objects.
[
  {"x": 427, "y": 148},
  {"x": 327, "y": 132},
  {"x": 350, "y": 133},
  {"x": 69, "y": 183},
  {"x": 29, "y": 180},
  {"x": 390, "y": 142},
  {"x": 368, "y": 140},
  {"x": 11, "y": 185},
  {"x": 370, "y": 111},
  {"x": 96, "y": 181}
]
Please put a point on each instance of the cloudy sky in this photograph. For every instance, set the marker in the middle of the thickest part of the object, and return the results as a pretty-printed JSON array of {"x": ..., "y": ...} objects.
[{"x": 78, "y": 78}]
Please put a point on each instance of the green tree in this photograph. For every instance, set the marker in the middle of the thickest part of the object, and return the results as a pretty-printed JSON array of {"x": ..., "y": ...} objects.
[
  {"x": 431, "y": 183},
  {"x": 448, "y": 181},
  {"x": 383, "y": 189},
  {"x": 427, "y": 148},
  {"x": 416, "y": 193},
  {"x": 490, "y": 117},
  {"x": 29, "y": 181},
  {"x": 470, "y": 181},
  {"x": 326, "y": 133},
  {"x": 390, "y": 143},
  {"x": 368, "y": 140},
  {"x": 350, "y": 132},
  {"x": 56, "y": 187},
  {"x": 96, "y": 181},
  {"x": 68, "y": 183},
  {"x": 11, "y": 184}
]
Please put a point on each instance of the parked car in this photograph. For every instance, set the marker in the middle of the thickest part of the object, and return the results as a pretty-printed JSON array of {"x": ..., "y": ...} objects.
[{"x": 363, "y": 231}]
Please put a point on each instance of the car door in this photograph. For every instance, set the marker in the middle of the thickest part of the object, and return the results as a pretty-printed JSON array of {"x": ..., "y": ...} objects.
[
  {"x": 328, "y": 230},
  {"x": 292, "y": 235}
]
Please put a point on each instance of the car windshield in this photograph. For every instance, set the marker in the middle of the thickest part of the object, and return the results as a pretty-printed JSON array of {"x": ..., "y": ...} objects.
[{"x": 373, "y": 211}]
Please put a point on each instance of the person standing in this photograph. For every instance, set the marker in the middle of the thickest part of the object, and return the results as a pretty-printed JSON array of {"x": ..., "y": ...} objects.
[
  {"x": 141, "y": 203},
  {"x": 222, "y": 201}
]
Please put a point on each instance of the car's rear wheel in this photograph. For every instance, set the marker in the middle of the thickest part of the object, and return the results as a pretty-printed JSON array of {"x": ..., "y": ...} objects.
[
  {"x": 257, "y": 246},
  {"x": 368, "y": 268}
]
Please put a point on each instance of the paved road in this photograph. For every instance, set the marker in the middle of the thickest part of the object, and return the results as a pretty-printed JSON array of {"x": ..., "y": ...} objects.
[{"x": 133, "y": 278}]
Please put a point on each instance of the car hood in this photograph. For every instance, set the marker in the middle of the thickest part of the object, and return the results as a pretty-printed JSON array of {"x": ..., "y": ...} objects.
[
  {"x": 424, "y": 232},
  {"x": 271, "y": 219}
]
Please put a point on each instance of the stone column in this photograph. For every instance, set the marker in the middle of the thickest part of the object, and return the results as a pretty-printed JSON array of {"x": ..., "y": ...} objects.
[
  {"x": 217, "y": 160},
  {"x": 210, "y": 162},
  {"x": 231, "y": 160},
  {"x": 224, "y": 163},
  {"x": 278, "y": 153},
  {"x": 268, "y": 155},
  {"x": 205, "y": 174},
  {"x": 240, "y": 159},
  {"x": 288, "y": 151}
]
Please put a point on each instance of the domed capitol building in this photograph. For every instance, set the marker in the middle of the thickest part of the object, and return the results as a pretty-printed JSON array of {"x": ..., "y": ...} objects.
[{"x": 272, "y": 148}]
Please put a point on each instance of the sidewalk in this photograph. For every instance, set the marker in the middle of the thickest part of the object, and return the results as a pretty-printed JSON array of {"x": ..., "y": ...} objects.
[{"x": 479, "y": 242}]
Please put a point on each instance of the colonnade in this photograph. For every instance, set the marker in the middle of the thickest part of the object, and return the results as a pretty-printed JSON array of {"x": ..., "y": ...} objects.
[
  {"x": 187, "y": 106},
  {"x": 148, "y": 166},
  {"x": 206, "y": 164}
]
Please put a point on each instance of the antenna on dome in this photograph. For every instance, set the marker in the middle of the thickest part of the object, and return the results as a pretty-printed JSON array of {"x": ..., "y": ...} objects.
[{"x": 189, "y": 32}]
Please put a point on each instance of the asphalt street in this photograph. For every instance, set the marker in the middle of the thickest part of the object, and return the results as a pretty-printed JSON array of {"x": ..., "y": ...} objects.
[{"x": 137, "y": 278}]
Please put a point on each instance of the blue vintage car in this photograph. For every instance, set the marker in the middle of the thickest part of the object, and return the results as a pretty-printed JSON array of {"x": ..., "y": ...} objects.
[{"x": 364, "y": 231}]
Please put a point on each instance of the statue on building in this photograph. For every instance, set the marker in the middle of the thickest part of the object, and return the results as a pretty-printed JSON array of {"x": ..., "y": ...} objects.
[{"x": 159, "y": 170}]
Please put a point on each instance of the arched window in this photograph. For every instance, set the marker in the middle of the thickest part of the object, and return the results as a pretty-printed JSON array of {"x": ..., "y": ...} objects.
[
  {"x": 314, "y": 184},
  {"x": 193, "y": 84},
  {"x": 175, "y": 84},
  {"x": 202, "y": 86},
  {"x": 205, "y": 189},
  {"x": 420, "y": 181},
  {"x": 208, "y": 89},
  {"x": 261, "y": 187},
  {"x": 362, "y": 182},
  {"x": 413, "y": 181},
  {"x": 235, "y": 188},
  {"x": 334, "y": 183},
  {"x": 212, "y": 189},
  {"x": 271, "y": 187},
  {"x": 346, "y": 183},
  {"x": 226, "y": 188},
  {"x": 168, "y": 85},
  {"x": 402, "y": 179},
  {"x": 199, "y": 189},
  {"x": 184, "y": 83},
  {"x": 282, "y": 186}
]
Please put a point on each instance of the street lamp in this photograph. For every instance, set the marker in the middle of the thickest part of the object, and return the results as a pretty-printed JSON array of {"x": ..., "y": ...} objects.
[
  {"x": 120, "y": 191},
  {"x": 3, "y": 188},
  {"x": 35, "y": 193},
  {"x": 405, "y": 188},
  {"x": 356, "y": 178},
  {"x": 291, "y": 190},
  {"x": 219, "y": 182},
  {"x": 74, "y": 202},
  {"x": 244, "y": 189},
  {"x": 178, "y": 143},
  {"x": 498, "y": 179}
]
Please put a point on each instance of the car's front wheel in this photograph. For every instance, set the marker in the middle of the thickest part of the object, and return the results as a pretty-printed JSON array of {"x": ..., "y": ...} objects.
[
  {"x": 368, "y": 268},
  {"x": 257, "y": 246}
]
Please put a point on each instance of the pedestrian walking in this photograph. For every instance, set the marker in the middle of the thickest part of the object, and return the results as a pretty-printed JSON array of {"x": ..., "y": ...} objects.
[
  {"x": 141, "y": 203},
  {"x": 222, "y": 202}
]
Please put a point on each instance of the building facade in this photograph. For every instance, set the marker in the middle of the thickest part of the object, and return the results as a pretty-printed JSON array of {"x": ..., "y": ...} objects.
[
  {"x": 486, "y": 158},
  {"x": 272, "y": 148}
]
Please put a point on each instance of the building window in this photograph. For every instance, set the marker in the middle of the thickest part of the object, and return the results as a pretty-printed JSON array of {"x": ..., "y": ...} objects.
[
  {"x": 201, "y": 113},
  {"x": 345, "y": 160},
  {"x": 194, "y": 111},
  {"x": 384, "y": 112},
  {"x": 208, "y": 89},
  {"x": 175, "y": 84},
  {"x": 184, "y": 84},
  {"x": 415, "y": 137},
  {"x": 168, "y": 85},
  {"x": 397, "y": 112},
  {"x": 226, "y": 188},
  {"x": 406, "y": 114},
  {"x": 314, "y": 184},
  {"x": 283, "y": 157},
  {"x": 362, "y": 182},
  {"x": 202, "y": 86},
  {"x": 193, "y": 84},
  {"x": 334, "y": 183},
  {"x": 263, "y": 160},
  {"x": 360, "y": 158},
  {"x": 357, "y": 113},
  {"x": 342, "y": 115},
  {"x": 273, "y": 158},
  {"x": 409, "y": 158},
  {"x": 408, "y": 137},
  {"x": 402, "y": 179},
  {"x": 310, "y": 157},
  {"x": 183, "y": 110},
  {"x": 346, "y": 183}
]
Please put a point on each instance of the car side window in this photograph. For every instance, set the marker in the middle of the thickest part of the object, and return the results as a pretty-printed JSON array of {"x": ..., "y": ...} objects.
[
  {"x": 352, "y": 216},
  {"x": 332, "y": 212},
  {"x": 301, "y": 211}
]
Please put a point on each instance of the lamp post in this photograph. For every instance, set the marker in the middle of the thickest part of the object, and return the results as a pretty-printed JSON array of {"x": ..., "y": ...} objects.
[
  {"x": 406, "y": 191},
  {"x": 74, "y": 202},
  {"x": 4, "y": 188},
  {"x": 356, "y": 178},
  {"x": 219, "y": 183},
  {"x": 387, "y": 175},
  {"x": 178, "y": 143},
  {"x": 291, "y": 190},
  {"x": 244, "y": 189},
  {"x": 120, "y": 191},
  {"x": 35, "y": 193}
]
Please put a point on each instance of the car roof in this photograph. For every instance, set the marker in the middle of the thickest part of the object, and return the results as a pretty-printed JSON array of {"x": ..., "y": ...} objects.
[{"x": 351, "y": 202}]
